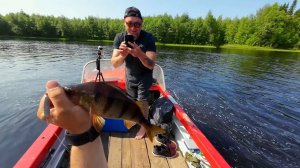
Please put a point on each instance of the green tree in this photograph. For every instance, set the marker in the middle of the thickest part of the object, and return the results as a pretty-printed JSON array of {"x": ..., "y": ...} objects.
[
  {"x": 163, "y": 29},
  {"x": 231, "y": 28},
  {"x": 20, "y": 24},
  {"x": 114, "y": 26},
  {"x": 149, "y": 24},
  {"x": 245, "y": 30},
  {"x": 64, "y": 27},
  {"x": 284, "y": 7},
  {"x": 220, "y": 39},
  {"x": 91, "y": 27},
  {"x": 273, "y": 25},
  {"x": 214, "y": 30},
  {"x": 44, "y": 26},
  {"x": 275, "y": 28},
  {"x": 101, "y": 27},
  {"x": 297, "y": 13},
  {"x": 4, "y": 26},
  {"x": 182, "y": 29},
  {"x": 292, "y": 7},
  {"x": 199, "y": 32},
  {"x": 79, "y": 29}
]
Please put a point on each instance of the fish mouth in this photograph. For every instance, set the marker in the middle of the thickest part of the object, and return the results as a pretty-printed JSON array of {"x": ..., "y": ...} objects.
[{"x": 68, "y": 90}]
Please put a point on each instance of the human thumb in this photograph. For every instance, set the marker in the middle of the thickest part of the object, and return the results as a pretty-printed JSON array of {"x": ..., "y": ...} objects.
[
  {"x": 45, "y": 103},
  {"x": 56, "y": 94}
]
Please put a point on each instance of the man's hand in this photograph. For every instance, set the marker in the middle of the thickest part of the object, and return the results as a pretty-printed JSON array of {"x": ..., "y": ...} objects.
[
  {"x": 147, "y": 59},
  {"x": 64, "y": 113},
  {"x": 124, "y": 50},
  {"x": 135, "y": 50},
  {"x": 119, "y": 55}
]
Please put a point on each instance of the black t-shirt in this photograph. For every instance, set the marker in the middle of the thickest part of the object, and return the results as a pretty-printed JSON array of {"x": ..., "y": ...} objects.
[{"x": 136, "y": 71}]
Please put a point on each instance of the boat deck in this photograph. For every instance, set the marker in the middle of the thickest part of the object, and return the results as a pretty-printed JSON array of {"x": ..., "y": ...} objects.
[{"x": 122, "y": 150}]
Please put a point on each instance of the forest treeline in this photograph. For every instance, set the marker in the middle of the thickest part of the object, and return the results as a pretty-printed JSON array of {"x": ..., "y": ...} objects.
[{"x": 276, "y": 26}]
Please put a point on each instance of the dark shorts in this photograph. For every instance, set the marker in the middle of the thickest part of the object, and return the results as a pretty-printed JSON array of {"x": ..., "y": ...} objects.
[{"x": 139, "y": 89}]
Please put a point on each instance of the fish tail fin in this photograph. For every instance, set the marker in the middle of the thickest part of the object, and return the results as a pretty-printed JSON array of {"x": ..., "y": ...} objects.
[
  {"x": 129, "y": 124},
  {"x": 98, "y": 122},
  {"x": 152, "y": 130}
]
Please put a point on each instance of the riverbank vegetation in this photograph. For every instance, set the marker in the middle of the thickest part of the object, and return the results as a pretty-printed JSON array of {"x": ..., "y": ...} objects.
[{"x": 273, "y": 26}]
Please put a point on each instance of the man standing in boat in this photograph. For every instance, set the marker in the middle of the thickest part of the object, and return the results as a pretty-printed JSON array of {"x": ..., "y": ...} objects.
[{"x": 137, "y": 49}]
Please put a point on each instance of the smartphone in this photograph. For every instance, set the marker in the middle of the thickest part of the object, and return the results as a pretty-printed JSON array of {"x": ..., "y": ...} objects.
[{"x": 129, "y": 38}]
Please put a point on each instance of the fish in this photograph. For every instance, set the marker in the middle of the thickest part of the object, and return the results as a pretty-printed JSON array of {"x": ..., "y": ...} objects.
[{"x": 104, "y": 99}]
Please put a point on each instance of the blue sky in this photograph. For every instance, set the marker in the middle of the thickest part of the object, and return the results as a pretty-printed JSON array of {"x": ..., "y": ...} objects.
[{"x": 116, "y": 8}]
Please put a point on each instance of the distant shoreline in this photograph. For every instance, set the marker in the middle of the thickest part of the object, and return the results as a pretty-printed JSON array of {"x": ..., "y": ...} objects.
[{"x": 226, "y": 46}]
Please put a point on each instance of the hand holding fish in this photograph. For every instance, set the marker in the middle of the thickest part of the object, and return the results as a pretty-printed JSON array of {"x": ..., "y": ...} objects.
[
  {"x": 76, "y": 120},
  {"x": 64, "y": 112},
  {"x": 78, "y": 107}
]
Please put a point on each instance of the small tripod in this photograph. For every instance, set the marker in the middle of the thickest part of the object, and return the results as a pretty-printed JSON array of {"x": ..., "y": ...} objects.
[{"x": 99, "y": 74}]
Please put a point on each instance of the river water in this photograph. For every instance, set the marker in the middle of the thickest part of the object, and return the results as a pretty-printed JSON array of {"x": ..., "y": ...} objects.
[{"x": 246, "y": 102}]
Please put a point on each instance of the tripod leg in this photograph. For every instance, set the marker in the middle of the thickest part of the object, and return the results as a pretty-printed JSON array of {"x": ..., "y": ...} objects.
[{"x": 101, "y": 77}]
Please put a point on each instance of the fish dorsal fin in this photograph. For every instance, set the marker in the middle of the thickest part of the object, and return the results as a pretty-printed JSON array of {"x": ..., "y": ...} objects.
[
  {"x": 120, "y": 92},
  {"x": 113, "y": 86}
]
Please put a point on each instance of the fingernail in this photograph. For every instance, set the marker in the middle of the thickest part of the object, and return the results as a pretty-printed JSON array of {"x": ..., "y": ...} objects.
[{"x": 52, "y": 84}]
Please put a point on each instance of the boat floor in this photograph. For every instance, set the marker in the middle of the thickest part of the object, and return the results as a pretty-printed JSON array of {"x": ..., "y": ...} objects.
[{"x": 122, "y": 150}]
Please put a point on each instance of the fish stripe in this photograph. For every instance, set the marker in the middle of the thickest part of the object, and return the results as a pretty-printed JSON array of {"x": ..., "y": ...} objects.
[
  {"x": 132, "y": 112},
  {"x": 108, "y": 104},
  {"x": 137, "y": 115},
  {"x": 100, "y": 103},
  {"x": 125, "y": 108},
  {"x": 141, "y": 120}
]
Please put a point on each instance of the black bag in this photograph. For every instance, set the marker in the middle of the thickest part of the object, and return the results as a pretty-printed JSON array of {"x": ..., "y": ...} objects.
[{"x": 161, "y": 111}]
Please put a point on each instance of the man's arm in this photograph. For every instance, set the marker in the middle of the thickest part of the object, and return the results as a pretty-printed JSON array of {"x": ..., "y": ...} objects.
[
  {"x": 88, "y": 155},
  {"x": 119, "y": 55},
  {"x": 148, "y": 59},
  {"x": 77, "y": 121},
  {"x": 117, "y": 59}
]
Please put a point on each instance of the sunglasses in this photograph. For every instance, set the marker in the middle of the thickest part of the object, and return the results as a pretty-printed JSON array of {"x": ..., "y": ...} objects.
[{"x": 134, "y": 24}]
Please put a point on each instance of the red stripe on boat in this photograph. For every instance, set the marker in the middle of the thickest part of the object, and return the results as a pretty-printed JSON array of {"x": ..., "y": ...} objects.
[{"x": 34, "y": 156}]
